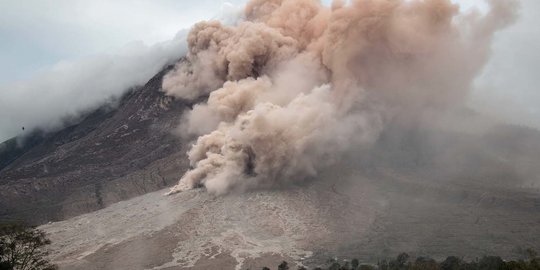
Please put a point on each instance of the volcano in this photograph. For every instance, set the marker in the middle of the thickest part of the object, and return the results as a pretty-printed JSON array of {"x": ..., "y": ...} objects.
[
  {"x": 120, "y": 150},
  {"x": 109, "y": 211},
  {"x": 303, "y": 133}
]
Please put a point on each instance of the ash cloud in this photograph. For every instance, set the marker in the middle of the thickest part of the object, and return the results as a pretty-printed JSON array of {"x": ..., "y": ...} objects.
[{"x": 297, "y": 84}]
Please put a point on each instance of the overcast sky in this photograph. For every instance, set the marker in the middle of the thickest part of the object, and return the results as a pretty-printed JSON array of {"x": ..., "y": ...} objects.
[
  {"x": 52, "y": 50},
  {"x": 38, "y": 33}
]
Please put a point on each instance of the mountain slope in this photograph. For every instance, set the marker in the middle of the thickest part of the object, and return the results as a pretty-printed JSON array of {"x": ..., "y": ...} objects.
[
  {"x": 114, "y": 153},
  {"x": 420, "y": 189},
  {"x": 347, "y": 213}
]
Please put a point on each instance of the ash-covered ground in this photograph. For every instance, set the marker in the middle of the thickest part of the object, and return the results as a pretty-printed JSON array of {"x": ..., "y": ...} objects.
[{"x": 347, "y": 213}]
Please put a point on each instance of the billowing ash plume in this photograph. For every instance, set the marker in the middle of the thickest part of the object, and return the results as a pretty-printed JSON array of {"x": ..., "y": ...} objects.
[{"x": 297, "y": 83}]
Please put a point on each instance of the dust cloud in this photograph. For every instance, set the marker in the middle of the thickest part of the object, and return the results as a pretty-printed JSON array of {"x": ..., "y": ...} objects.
[{"x": 296, "y": 84}]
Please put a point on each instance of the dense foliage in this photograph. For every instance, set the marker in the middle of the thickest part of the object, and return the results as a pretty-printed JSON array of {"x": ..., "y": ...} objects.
[
  {"x": 22, "y": 248},
  {"x": 404, "y": 262}
]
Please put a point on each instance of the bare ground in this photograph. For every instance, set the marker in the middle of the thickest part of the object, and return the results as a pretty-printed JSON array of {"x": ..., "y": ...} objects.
[{"x": 346, "y": 216}]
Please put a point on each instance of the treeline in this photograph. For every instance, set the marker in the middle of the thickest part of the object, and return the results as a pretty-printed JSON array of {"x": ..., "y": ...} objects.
[
  {"x": 23, "y": 248},
  {"x": 404, "y": 262}
]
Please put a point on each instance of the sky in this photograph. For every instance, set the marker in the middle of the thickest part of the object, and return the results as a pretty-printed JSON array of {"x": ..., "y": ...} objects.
[
  {"x": 61, "y": 57},
  {"x": 37, "y": 34},
  {"x": 509, "y": 86}
]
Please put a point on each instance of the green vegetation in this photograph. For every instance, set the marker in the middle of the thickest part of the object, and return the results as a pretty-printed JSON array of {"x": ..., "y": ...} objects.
[
  {"x": 22, "y": 248},
  {"x": 404, "y": 262}
]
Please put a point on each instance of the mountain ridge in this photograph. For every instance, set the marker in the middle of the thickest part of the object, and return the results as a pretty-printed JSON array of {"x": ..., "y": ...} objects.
[{"x": 88, "y": 165}]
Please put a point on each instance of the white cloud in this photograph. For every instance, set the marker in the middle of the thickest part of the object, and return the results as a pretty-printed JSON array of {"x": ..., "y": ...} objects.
[
  {"x": 61, "y": 57},
  {"x": 69, "y": 87},
  {"x": 36, "y": 34}
]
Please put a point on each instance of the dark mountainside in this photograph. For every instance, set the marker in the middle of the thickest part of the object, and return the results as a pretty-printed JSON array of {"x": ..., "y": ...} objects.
[{"x": 114, "y": 153}]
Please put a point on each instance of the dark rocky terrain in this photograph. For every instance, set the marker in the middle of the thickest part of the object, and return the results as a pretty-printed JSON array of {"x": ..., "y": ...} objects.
[{"x": 114, "y": 153}]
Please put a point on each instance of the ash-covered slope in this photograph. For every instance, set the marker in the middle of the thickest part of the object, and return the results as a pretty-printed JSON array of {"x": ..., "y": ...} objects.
[
  {"x": 425, "y": 191},
  {"x": 365, "y": 208},
  {"x": 114, "y": 153}
]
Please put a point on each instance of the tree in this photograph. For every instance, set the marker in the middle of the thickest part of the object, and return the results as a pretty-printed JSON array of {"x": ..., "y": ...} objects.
[
  {"x": 491, "y": 263},
  {"x": 334, "y": 266},
  {"x": 423, "y": 263},
  {"x": 283, "y": 266},
  {"x": 345, "y": 266},
  {"x": 531, "y": 253},
  {"x": 355, "y": 263},
  {"x": 22, "y": 248},
  {"x": 383, "y": 265},
  {"x": 451, "y": 263},
  {"x": 402, "y": 259},
  {"x": 517, "y": 265},
  {"x": 400, "y": 262}
]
